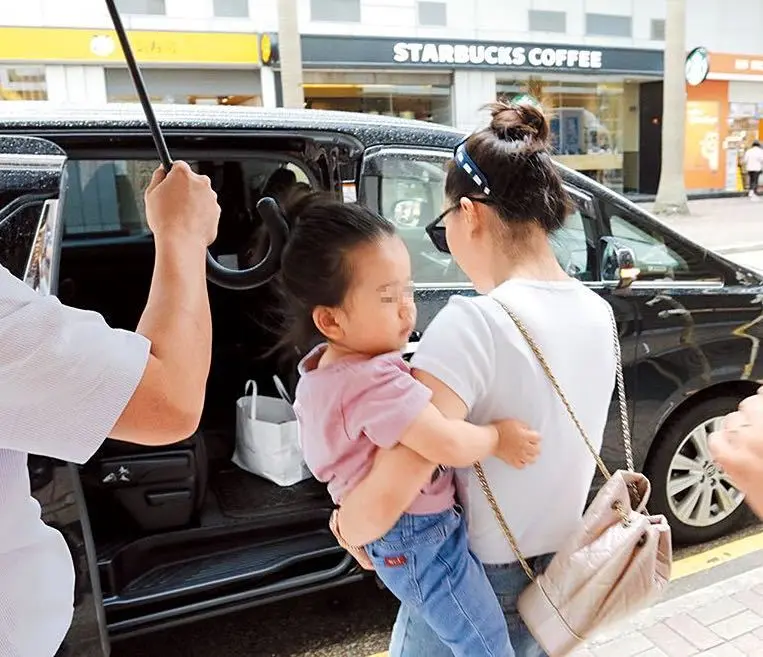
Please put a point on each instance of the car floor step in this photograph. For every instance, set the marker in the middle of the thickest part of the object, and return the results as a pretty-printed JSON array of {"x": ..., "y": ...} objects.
[{"x": 224, "y": 568}]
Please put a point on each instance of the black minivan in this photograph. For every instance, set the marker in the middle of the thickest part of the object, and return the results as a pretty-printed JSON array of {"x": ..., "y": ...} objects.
[{"x": 163, "y": 536}]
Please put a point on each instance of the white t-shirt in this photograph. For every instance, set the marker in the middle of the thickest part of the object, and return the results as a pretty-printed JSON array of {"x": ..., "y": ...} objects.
[
  {"x": 473, "y": 347},
  {"x": 753, "y": 159},
  {"x": 65, "y": 378}
]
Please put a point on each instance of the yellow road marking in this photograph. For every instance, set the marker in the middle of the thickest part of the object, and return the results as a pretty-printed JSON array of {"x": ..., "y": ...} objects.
[
  {"x": 704, "y": 560},
  {"x": 717, "y": 555}
]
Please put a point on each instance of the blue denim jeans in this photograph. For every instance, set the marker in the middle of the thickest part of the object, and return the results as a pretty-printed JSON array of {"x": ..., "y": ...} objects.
[
  {"x": 412, "y": 637},
  {"x": 426, "y": 562}
]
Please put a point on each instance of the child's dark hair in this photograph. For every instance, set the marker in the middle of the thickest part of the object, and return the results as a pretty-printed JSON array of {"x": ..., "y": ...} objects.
[
  {"x": 315, "y": 268},
  {"x": 512, "y": 153}
]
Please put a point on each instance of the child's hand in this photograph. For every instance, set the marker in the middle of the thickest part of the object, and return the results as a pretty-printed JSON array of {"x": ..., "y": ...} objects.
[{"x": 518, "y": 445}]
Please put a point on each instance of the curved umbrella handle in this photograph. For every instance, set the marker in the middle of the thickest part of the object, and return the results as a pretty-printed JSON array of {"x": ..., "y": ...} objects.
[{"x": 241, "y": 279}]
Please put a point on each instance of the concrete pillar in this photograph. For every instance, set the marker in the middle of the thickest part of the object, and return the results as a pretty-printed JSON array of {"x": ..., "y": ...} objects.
[
  {"x": 290, "y": 51},
  {"x": 471, "y": 90},
  {"x": 268, "y": 83}
]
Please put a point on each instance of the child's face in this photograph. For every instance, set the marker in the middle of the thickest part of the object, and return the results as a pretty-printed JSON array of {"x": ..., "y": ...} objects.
[{"x": 378, "y": 313}]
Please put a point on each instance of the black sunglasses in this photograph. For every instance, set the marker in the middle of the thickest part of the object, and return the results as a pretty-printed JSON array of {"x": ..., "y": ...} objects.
[{"x": 436, "y": 229}]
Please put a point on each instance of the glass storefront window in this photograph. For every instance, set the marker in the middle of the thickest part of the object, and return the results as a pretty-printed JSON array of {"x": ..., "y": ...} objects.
[
  {"x": 422, "y": 102},
  {"x": 23, "y": 83},
  {"x": 744, "y": 124},
  {"x": 187, "y": 87},
  {"x": 190, "y": 99},
  {"x": 586, "y": 122}
]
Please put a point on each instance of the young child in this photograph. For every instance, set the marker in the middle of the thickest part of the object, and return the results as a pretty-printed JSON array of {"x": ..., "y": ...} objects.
[{"x": 347, "y": 280}]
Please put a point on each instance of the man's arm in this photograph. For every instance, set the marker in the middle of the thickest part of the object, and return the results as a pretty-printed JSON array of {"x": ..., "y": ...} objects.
[
  {"x": 167, "y": 404},
  {"x": 67, "y": 380},
  {"x": 738, "y": 449}
]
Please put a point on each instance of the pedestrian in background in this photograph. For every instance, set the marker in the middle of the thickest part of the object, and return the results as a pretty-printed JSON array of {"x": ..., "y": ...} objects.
[
  {"x": 68, "y": 380},
  {"x": 753, "y": 164}
]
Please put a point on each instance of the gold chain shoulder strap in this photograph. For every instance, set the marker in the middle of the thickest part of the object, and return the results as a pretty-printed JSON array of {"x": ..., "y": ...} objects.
[{"x": 479, "y": 471}]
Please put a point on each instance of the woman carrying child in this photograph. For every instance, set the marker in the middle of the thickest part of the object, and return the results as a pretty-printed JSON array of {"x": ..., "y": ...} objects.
[{"x": 504, "y": 200}]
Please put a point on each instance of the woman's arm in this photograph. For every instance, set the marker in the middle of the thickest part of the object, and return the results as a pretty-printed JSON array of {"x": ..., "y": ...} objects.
[{"x": 372, "y": 508}]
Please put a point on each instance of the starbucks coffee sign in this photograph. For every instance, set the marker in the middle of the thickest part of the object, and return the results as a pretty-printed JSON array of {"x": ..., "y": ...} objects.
[
  {"x": 337, "y": 52},
  {"x": 494, "y": 55}
]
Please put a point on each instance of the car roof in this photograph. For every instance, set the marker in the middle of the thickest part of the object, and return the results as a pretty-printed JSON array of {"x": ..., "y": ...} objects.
[{"x": 46, "y": 117}]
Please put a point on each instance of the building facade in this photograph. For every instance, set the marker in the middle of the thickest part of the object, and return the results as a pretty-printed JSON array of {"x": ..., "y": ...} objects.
[
  {"x": 192, "y": 51},
  {"x": 442, "y": 60},
  {"x": 597, "y": 65}
]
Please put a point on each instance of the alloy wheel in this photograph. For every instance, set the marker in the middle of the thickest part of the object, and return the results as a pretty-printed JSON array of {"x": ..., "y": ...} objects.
[{"x": 700, "y": 494}]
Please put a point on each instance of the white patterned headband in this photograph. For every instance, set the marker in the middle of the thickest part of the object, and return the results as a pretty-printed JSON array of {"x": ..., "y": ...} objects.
[{"x": 469, "y": 167}]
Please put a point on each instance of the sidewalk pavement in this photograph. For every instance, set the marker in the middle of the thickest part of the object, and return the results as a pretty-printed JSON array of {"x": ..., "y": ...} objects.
[
  {"x": 724, "y": 619},
  {"x": 726, "y": 225}
]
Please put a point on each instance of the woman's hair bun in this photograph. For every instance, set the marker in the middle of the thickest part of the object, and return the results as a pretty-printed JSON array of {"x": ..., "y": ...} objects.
[{"x": 519, "y": 122}]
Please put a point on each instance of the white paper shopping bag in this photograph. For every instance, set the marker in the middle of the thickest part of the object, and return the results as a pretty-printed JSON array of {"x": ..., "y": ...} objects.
[{"x": 267, "y": 439}]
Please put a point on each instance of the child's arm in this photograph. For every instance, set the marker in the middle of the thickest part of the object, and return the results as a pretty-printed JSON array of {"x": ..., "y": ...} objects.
[
  {"x": 460, "y": 444},
  {"x": 374, "y": 505},
  {"x": 389, "y": 406}
]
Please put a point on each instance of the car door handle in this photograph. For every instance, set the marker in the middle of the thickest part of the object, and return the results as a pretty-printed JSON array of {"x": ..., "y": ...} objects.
[{"x": 672, "y": 312}]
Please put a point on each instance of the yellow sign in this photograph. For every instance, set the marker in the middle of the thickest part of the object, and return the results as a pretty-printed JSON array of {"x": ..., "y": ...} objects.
[
  {"x": 266, "y": 49},
  {"x": 703, "y": 145},
  {"x": 25, "y": 44}
]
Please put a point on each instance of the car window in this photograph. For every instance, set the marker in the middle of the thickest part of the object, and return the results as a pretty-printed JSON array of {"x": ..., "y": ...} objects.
[
  {"x": 104, "y": 198},
  {"x": 658, "y": 255},
  {"x": 574, "y": 247},
  {"x": 653, "y": 256},
  {"x": 407, "y": 187}
]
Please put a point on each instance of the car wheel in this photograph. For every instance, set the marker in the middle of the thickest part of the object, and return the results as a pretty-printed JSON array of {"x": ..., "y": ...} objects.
[{"x": 698, "y": 499}]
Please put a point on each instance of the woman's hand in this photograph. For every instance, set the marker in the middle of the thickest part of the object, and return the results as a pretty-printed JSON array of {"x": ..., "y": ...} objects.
[{"x": 357, "y": 551}]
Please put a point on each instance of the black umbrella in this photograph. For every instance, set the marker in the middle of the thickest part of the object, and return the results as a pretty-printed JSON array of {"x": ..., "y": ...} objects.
[
  {"x": 140, "y": 87},
  {"x": 267, "y": 207}
]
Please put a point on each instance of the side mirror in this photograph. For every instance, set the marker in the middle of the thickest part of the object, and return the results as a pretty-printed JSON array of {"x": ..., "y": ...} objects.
[
  {"x": 618, "y": 263},
  {"x": 407, "y": 213}
]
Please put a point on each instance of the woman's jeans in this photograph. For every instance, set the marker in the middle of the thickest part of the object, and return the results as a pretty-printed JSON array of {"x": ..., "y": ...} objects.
[{"x": 412, "y": 637}]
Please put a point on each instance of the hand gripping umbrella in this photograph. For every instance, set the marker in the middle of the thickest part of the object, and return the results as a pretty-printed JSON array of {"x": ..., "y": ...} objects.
[{"x": 267, "y": 208}]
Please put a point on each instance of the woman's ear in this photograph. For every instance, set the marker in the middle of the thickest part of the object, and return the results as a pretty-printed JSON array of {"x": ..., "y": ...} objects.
[
  {"x": 326, "y": 321},
  {"x": 473, "y": 216}
]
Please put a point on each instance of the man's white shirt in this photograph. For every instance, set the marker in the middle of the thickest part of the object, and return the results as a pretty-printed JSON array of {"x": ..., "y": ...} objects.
[{"x": 65, "y": 378}]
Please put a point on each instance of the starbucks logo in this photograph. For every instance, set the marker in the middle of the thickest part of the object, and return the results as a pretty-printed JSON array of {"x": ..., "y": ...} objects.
[{"x": 697, "y": 66}]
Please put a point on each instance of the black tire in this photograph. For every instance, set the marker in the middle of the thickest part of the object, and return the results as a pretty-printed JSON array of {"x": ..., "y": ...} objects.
[{"x": 665, "y": 447}]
